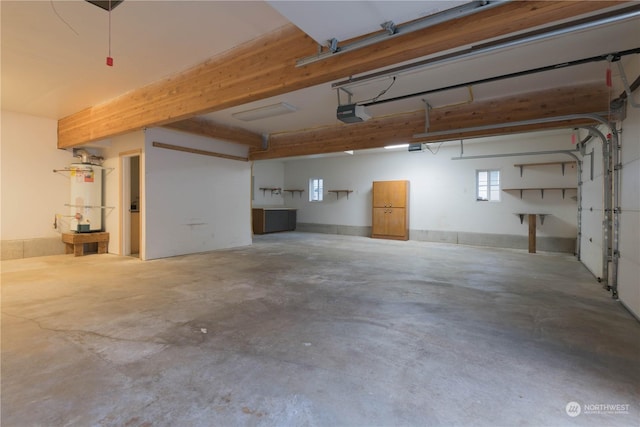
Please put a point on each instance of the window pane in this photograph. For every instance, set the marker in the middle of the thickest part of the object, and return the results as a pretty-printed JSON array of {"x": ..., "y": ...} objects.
[
  {"x": 495, "y": 185},
  {"x": 315, "y": 189},
  {"x": 488, "y": 185}
]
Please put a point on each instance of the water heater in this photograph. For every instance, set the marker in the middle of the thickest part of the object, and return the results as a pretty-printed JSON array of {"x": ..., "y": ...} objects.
[{"x": 86, "y": 197}]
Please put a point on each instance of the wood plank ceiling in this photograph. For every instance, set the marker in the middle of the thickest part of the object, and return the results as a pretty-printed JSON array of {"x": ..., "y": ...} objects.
[{"x": 267, "y": 67}]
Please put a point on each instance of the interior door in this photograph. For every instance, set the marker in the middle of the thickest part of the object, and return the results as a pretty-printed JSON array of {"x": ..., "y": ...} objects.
[{"x": 130, "y": 191}]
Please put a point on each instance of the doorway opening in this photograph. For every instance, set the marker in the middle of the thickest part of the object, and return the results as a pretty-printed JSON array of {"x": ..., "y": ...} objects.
[{"x": 130, "y": 204}]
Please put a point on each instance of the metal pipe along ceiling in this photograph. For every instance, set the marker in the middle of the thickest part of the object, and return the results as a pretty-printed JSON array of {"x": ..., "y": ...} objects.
[
  {"x": 555, "y": 31},
  {"x": 593, "y": 117},
  {"x": 393, "y": 30}
]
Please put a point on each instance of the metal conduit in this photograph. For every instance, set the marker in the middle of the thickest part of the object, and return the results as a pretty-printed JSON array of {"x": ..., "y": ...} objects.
[
  {"x": 558, "y": 30},
  {"x": 606, "y": 205},
  {"x": 528, "y": 153},
  {"x": 611, "y": 200},
  {"x": 613, "y": 208},
  {"x": 581, "y": 145},
  {"x": 568, "y": 117},
  {"x": 400, "y": 29},
  {"x": 610, "y": 196}
]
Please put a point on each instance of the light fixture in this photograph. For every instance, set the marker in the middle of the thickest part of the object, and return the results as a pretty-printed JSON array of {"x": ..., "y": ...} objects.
[
  {"x": 265, "y": 112},
  {"x": 393, "y": 147},
  {"x": 349, "y": 152}
]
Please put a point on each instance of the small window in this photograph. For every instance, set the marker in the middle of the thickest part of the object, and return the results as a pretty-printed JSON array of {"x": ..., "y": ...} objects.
[
  {"x": 316, "y": 191},
  {"x": 488, "y": 185}
]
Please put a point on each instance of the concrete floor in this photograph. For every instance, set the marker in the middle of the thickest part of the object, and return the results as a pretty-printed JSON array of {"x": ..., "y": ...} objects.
[{"x": 315, "y": 330}]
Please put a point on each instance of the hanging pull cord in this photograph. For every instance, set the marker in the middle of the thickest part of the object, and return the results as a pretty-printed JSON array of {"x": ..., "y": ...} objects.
[{"x": 109, "y": 58}]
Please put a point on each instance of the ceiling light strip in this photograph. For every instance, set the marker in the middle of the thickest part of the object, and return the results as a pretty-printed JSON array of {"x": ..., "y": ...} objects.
[
  {"x": 265, "y": 112},
  {"x": 419, "y": 24}
]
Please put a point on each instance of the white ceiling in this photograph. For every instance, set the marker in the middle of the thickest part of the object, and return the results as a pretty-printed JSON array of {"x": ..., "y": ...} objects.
[
  {"x": 343, "y": 20},
  {"x": 49, "y": 71}
]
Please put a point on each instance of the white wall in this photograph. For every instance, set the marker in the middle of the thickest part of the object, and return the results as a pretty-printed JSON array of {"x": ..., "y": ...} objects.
[
  {"x": 194, "y": 203},
  {"x": 442, "y": 191},
  {"x": 629, "y": 263},
  {"x": 268, "y": 174},
  {"x": 31, "y": 193}
]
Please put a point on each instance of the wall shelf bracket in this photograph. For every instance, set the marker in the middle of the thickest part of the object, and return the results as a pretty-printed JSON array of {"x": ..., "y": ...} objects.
[
  {"x": 294, "y": 191},
  {"x": 340, "y": 191},
  {"x": 273, "y": 190},
  {"x": 541, "y": 215}
]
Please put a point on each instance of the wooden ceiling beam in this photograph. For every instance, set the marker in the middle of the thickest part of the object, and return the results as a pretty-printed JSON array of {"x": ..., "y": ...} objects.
[
  {"x": 400, "y": 128},
  {"x": 219, "y": 131},
  {"x": 266, "y": 67}
]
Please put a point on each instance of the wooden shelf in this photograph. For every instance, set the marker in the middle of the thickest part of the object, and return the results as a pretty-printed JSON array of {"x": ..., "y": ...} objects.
[
  {"x": 294, "y": 191},
  {"x": 541, "y": 190},
  {"x": 562, "y": 165},
  {"x": 340, "y": 191},
  {"x": 273, "y": 190}
]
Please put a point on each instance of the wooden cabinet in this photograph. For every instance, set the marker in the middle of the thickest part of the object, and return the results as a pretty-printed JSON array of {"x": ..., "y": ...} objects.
[
  {"x": 390, "y": 218},
  {"x": 271, "y": 220}
]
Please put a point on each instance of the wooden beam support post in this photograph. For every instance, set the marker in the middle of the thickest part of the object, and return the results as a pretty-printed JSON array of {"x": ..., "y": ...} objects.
[
  {"x": 267, "y": 67},
  {"x": 532, "y": 233}
]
